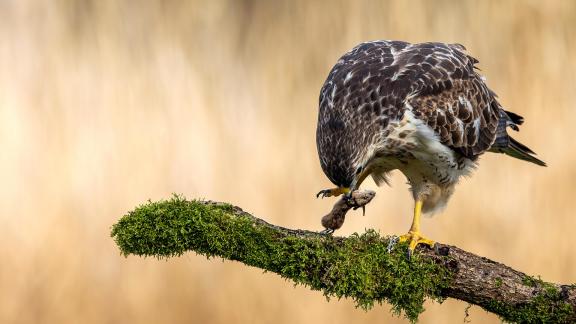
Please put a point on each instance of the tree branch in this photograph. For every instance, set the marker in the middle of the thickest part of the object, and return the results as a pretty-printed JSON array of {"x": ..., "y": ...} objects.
[{"x": 360, "y": 267}]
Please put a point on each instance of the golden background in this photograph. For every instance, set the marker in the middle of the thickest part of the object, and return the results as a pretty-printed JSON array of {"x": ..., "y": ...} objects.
[{"x": 105, "y": 104}]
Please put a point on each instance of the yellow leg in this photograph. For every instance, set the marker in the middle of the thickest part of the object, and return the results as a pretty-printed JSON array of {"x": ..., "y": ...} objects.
[
  {"x": 334, "y": 192},
  {"x": 414, "y": 236}
]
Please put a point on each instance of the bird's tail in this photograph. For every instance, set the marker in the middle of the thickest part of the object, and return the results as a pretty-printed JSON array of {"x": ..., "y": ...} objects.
[
  {"x": 504, "y": 143},
  {"x": 520, "y": 151}
]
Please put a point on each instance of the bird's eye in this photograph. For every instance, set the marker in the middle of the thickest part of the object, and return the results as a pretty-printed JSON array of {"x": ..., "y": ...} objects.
[{"x": 358, "y": 170}]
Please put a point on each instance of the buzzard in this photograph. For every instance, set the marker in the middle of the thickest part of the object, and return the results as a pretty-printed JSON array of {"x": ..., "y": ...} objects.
[{"x": 422, "y": 109}]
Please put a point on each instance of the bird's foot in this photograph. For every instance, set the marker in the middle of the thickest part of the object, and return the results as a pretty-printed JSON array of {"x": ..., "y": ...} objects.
[
  {"x": 334, "y": 192},
  {"x": 415, "y": 238}
]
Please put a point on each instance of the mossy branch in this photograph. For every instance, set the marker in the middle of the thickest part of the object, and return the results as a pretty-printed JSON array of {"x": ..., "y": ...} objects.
[{"x": 360, "y": 267}]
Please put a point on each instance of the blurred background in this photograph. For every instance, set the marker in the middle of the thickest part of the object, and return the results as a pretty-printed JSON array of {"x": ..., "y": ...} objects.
[{"x": 105, "y": 104}]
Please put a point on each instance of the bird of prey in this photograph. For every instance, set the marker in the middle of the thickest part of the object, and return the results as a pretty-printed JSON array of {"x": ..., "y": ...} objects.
[{"x": 422, "y": 109}]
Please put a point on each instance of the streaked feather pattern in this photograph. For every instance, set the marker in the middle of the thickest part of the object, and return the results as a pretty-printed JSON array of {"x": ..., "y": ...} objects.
[{"x": 369, "y": 90}]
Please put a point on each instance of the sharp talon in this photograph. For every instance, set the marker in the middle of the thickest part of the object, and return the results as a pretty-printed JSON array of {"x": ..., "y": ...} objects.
[
  {"x": 409, "y": 254},
  {"x": 324, "y": 193},
  {"x": 414, "y": 239},
  {"x": 364, "y": 210},
  {"x": 436, "y": 249},
  {"x": 335, "y": 192}
]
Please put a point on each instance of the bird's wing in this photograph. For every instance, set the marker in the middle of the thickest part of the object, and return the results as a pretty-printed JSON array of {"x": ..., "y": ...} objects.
[
  {"x": 376, "y": 81},
  {"x": 451, "y": 97}
]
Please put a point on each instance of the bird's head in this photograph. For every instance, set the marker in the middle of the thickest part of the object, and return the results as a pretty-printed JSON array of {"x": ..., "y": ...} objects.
[
  {"x": 346, "y": 140},
  {"x": 343, "y": 161}
]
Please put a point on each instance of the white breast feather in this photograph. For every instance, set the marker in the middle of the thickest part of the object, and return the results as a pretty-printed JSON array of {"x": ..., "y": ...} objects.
[{"x": 434, "y": 163}]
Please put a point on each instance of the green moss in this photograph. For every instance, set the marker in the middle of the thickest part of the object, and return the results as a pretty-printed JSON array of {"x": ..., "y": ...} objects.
[
  {"x": 548, "y": 306},
  {"x": 498, "y": 283},
  {"x": 530, "y": 281},
  {"x": 358, "y": 267}
]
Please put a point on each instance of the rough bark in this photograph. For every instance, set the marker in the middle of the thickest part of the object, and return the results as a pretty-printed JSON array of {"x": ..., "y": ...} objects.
[
  {"x": 476, "y": 279},
  {"x": 322, "y": 262}
]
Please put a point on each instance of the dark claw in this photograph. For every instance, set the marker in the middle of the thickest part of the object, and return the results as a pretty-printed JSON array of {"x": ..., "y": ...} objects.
[
  {"x": 323, "y": 193},
  {"x": 409, "y": 254},
  {"x": 327, "y": 231}
]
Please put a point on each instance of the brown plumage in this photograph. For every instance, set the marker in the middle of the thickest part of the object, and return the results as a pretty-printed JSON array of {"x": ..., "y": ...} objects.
[{"x": 420, "y": 108}]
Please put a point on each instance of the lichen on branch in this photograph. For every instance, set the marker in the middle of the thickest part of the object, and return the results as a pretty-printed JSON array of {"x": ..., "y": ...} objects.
[{"x": 360, "y": 267}]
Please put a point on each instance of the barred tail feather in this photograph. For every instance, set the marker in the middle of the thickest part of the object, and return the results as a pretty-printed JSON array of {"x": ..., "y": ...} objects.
[
  {"x": 515, "y": 118},
  {"x": 509, "y": 146},
  {"x": 520, "y": 151}
]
